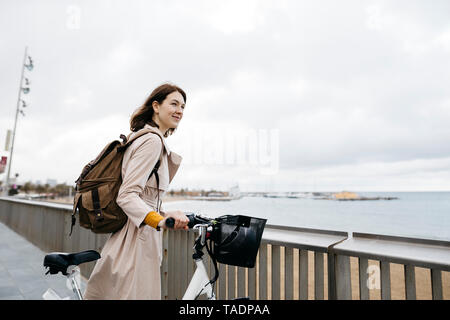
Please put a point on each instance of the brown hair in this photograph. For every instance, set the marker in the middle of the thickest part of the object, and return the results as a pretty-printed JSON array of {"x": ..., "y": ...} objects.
[{"x": 144, "y": 114}]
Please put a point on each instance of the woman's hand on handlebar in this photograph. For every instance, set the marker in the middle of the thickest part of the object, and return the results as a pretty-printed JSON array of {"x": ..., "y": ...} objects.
[{"x": 181, "y": 220}]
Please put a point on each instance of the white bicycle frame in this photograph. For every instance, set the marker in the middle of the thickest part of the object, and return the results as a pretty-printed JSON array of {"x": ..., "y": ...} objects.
[
  {"x": 73, "y": 277},
  {"x": 200, "y": 283}
]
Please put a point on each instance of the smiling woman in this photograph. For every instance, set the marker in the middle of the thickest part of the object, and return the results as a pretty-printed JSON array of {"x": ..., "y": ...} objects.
[
  {"x": 129, "y": 267},
  {"x": 162, "y": 109}
]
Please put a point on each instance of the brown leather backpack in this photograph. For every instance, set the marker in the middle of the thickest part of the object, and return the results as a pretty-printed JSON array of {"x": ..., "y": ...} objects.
[{"x": 98, "y": 185}]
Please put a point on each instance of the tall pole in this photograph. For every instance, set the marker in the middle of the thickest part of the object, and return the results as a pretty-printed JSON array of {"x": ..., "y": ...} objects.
[{"x": 15, "y": 122}]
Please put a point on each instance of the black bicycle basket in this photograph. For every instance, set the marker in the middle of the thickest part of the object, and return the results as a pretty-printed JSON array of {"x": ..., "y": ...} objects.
[{"x": 236, "y": 239}]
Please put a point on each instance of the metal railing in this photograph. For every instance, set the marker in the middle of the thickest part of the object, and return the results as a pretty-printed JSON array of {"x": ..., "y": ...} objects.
[
  {"x": 299, "y": 263},
  {"x": 292, "y": 263},
  {"x": 396, "y": 260}
]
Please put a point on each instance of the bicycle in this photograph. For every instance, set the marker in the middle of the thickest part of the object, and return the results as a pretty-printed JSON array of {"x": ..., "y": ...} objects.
[{"x": 220, "y": 236}]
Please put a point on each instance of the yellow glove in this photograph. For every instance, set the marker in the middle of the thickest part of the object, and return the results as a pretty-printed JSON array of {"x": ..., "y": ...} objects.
[{"x": 153, "y": 218}]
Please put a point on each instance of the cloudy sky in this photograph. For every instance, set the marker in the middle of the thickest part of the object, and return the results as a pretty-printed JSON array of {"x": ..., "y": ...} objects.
[{"x": 281, "y": 95}]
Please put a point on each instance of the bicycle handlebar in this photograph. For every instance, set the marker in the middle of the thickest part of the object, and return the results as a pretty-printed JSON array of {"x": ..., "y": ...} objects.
[
  {"x": 170, "y": 222},
  {"x": 193, "y": 220}
]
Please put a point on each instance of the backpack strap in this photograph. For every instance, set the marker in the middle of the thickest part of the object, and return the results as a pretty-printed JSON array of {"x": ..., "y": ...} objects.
[
  {"x": 138, "y": 134},
  {"x": 155, "y": 172},
  {"x": 157, "y": 187},
  {"x": 77, "y": 198},
  {"x": 127, "y": 141},
  {"x": 97, "y": 207}
]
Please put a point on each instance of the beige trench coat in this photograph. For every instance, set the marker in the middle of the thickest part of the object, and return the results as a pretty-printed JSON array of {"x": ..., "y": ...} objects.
[{"x": 129, "y": 267}]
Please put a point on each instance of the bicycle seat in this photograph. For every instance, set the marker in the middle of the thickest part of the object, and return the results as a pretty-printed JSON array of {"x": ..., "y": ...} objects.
[{"x": 60, "y": 261}]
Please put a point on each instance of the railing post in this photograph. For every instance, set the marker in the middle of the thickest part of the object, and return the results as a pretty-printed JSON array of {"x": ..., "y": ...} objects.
[
  {"x": 263, "y": 292},
  {"x": 385, "y": 280},
  {"x": 303, "y": 274},
  {"x": 410, "y": 282},
  {"x": 363, "y": 278},
  {"x": 231, "y": 282},
  {"x": 222, "y": 281},
  {"x": 176, "y": 276},
  {"x": 318, "y": 276},
  {"x": 252, "y": 281},
  {"x": 276, "y": 272},
  {"x": 436, "y": 284},
  {"x": 289, "y": 273},
  {"x": 331, "y": 263},
  {"x": 343, "y": 280},
  {"x": 165, "y": 266},
  {"x": 241, "y": 282},
  {"x": 332, "y": 272}
]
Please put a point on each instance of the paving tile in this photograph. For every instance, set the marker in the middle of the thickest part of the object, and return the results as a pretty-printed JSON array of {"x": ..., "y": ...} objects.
[
  {"x": 22, "y": 274},
  {"x": 29, "y": 286},
  {"x": 4, "y": 273},
  {"x": 35, "y": 293},
  {"x": 6, "y": 282},
  {"x": 13, "y": 298},
  {"x": 38, "y": 268},
  {"x": 6, "y": 254},
  {"x": 9, "y": 291}
]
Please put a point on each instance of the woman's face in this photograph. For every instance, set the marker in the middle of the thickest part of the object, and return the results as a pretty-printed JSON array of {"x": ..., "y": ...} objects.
[{"x": 168, "y": 114}]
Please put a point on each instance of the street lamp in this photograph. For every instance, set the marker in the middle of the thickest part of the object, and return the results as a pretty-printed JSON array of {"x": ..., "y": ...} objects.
[{"x": 25, "y": 89}]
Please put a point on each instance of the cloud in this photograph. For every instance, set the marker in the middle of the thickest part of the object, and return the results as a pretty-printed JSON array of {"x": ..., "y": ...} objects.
[
  {"x": 346, "y": 84},
  {"x": 234, "y": 16}
]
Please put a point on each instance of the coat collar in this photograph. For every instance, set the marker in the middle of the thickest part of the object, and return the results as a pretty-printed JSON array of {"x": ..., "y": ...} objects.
[
  {"x": 174, "y": 159},
  {"x": 157, "y": 131}
]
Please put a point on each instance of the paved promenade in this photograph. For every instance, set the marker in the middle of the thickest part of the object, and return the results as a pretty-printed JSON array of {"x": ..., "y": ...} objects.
[{"x": 22, "y": 274}]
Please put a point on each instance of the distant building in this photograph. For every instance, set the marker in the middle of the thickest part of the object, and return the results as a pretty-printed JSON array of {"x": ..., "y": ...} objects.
[
  {"x": 234, "y": 192},
  {"x": 216, "y": 194},
  {"x": 345, "y": 195},
  {"x": 52, "y": 182},
  {"x": 3, "y": 164}
]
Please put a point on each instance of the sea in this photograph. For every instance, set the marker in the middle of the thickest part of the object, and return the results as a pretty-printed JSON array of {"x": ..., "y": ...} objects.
[{"x": 424, "y": 215}]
